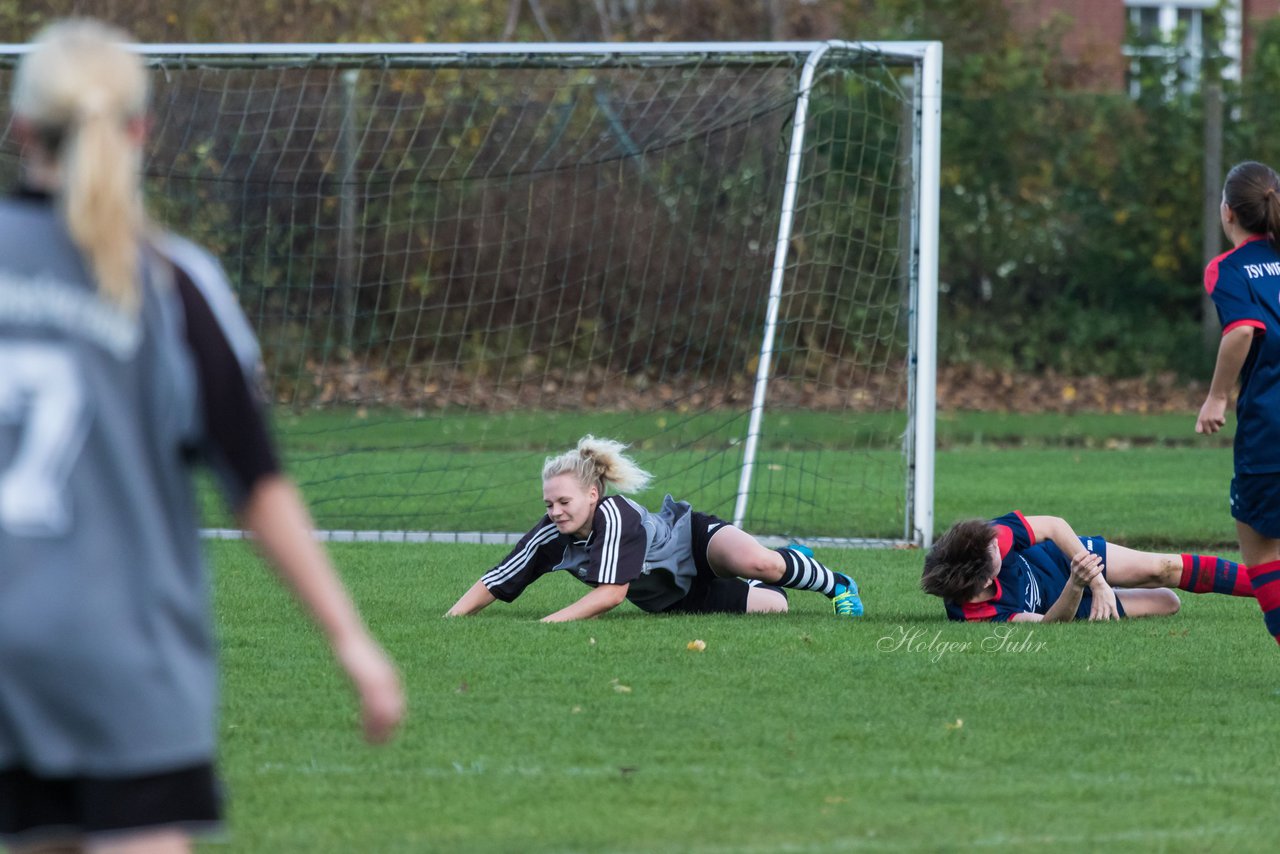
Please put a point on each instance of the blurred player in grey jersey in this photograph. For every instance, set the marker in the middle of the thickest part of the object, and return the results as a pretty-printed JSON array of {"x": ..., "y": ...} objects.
[{"x": 124, "y": 361}]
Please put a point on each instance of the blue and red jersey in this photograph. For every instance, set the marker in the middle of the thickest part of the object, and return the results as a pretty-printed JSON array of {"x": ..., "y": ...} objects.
[
  {"x": 1245, "y": 287},
  {"x": 1032, "y": 575}
]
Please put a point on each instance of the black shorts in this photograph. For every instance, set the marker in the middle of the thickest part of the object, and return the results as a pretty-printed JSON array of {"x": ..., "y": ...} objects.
[
  {"x": 709, "y": 593},
  {"x": 34, "y": 807}
]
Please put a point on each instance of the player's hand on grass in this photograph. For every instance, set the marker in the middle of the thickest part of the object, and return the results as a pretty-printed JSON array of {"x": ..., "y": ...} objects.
[
  {"x": 1104, "y": 605},
  {"x": 1213, "y": 415},
  {"x": 382, "y": 702}
]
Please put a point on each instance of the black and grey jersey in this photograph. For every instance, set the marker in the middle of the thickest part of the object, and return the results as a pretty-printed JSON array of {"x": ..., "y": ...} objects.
[
  {"x": 628, "y": 544},
  {"x": 106, "y": 636}
]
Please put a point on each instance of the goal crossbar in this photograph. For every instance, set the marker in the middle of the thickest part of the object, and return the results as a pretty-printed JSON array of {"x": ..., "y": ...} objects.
[{"x": 462, "y": 52}]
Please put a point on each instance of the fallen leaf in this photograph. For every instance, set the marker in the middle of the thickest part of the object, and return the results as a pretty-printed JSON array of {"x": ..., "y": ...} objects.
[{"x": 696, "y": 645}]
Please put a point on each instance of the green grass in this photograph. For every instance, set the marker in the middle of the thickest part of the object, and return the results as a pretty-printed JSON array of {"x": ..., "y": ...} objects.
[
  {"x": 789, "y": 733},
  {"x": 795, "y": 733},
  {"x": 1149, "y": 497},
  {"x": 817, "y": 473},
  {"x": 337, "y": 430}
]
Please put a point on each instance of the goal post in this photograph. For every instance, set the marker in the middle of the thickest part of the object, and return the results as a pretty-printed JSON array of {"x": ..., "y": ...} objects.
[
  {"x": 924, "y": 145},
  {"x": 460, "y": 258}
]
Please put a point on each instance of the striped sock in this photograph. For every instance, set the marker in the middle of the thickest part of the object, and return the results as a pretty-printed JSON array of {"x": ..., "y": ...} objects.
[
  {"x": 805, "y": 573},
  {"x": 1266, "y": 585},
  {"x": 1209, "y": 574}
]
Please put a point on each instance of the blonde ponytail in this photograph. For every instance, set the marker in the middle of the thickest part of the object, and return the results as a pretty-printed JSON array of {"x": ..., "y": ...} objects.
[
  {"x": 102, "y": 202},
  {"x": 82, "y": 86},
  {"x": 600, "y": 463}
]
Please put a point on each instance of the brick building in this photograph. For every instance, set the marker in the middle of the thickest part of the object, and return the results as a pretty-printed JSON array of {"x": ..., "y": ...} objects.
[{"x": 1095, "y": 32}]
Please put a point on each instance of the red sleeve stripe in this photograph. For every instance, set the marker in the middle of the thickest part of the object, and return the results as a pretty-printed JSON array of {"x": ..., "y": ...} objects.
[
  {"x": 1211, "y": 273},
  {"x": 1004, "y": 540},
  {"x": 1256, "y": 324},
  {"x": 1211, "y": 270},
  {"x": 975, "y": 611},
  {"x": 983, "y": 610},
  {"x": 1023, "y": 520}
]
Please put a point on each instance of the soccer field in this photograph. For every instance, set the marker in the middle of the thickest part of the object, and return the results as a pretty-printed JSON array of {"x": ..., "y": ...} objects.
[{"x": 898, "y": 731}]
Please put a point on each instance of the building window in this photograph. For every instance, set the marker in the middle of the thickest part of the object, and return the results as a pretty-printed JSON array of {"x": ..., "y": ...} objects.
[{"x": 1172, "y": 35}]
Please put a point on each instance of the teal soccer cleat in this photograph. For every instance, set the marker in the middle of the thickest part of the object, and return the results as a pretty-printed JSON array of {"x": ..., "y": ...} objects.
[{"x": 846, "y": 601}]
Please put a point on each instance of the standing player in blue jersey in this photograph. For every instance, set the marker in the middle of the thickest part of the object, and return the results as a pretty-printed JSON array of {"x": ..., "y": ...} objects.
[
  {"x": 1034, "y": 568},
  {"x": 124, "y": 361},
  {"x": 1244, "y": 284},
  {"x": 675, "y": 561}
]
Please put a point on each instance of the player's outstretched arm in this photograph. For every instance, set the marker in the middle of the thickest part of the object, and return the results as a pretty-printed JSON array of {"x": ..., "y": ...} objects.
[
  {"x": 604, "y": 598},
  {"x": 1233, "y": 350},
  {"x": 276, "y": 515},
  {"x": 473, "y": 601}
]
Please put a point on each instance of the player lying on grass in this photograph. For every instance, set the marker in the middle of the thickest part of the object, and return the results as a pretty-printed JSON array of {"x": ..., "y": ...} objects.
[
  {"x": 673, "y": 561},
  {"x": 1031, "y": 568}
]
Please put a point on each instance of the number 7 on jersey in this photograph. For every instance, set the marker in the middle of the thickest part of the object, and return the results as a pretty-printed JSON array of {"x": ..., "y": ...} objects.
[{"x": 42, "y": 396}]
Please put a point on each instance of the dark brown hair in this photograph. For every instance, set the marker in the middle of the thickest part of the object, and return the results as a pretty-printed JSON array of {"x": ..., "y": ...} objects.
[
  {"x": 959, "y": 566},
  {"x": 1252, "y": 191}
]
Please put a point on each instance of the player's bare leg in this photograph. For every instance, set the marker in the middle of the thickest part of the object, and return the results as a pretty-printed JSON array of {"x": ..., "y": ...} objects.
[
  {"x": 1193, "y": 573},
  {"x": 159, "y": 841},
  {"x": 1131, "y": 568},
  {"x": 1158, "y": 602},
  {"x": 732, "y": 552},
  {"x": 1256, "y": 549},
  {"x": 764, "y": 600},
  {"x": 50, "y": 846}
]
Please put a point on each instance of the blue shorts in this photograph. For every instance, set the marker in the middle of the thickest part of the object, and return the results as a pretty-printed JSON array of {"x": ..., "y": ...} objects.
[{"x": 1255, "y": 501}]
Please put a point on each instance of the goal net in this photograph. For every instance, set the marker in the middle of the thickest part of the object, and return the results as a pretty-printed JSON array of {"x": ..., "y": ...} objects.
[{"x": 460, "y": 259}]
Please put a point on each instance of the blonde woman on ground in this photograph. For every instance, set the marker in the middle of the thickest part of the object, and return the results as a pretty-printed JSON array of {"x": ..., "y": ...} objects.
[{"x": 674, "y": 561}]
